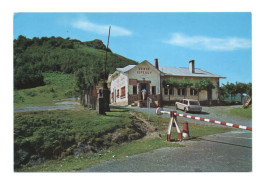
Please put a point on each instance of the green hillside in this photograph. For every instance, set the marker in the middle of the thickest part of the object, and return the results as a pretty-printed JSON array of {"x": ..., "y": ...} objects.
[
  {"x": 57, "y": 86},
  {"x": 32, "y": 57}
]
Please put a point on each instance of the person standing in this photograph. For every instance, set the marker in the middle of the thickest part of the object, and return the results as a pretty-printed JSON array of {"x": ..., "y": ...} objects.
[{"x": 144, "y": 93}]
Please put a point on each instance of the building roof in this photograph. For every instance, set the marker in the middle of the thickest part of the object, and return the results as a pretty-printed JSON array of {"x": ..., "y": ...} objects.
[
  {"x": 125, "y": 69},
  {"x": 173, "y": 71},
  {"x": 185, "y": 72}
]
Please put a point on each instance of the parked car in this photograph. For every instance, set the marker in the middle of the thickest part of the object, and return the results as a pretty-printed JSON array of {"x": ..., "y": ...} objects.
[{"x": 189, "y": 105}]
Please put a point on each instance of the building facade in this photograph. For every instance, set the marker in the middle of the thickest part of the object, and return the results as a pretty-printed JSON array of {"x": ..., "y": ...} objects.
[{"x": 127, "y": 84}]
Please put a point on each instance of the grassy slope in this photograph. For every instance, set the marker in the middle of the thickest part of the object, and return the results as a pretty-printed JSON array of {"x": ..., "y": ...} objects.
[
  {"x": 58, "y": 86},
  {"x": 56, "y": 133}
]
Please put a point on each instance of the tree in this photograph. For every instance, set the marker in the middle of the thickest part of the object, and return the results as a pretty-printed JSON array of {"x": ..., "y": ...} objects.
[
  {"x": 249, "y": 89},
  {"x": 231, "y": 89},
  {"x": 87, "y": 79},
  {"x": 241, "y": 88},
  {"x": 223, "y": 93},
  {"x": 185, "y": 84},
  {"x": 172, "y": 82},
  {"x": 81, "y": 85},
  {"x": 204, "y": 84}
]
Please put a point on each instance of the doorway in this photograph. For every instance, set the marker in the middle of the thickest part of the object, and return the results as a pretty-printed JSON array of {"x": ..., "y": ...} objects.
[{"x": 143, "y": 88}]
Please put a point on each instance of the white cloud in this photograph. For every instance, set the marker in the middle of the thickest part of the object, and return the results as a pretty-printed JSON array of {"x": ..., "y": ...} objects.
[
  {"x": 209, "y": 43},
  {"x": 86, "y": 25}
]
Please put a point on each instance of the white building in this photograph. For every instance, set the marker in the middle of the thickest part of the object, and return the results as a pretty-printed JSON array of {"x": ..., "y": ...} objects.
[{"x": 127, "y": 83}]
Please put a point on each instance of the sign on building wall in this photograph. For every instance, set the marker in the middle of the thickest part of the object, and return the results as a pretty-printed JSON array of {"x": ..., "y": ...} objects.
[
  {"x": 132, "y": 81},
  {"x": 144, "y": 70}
]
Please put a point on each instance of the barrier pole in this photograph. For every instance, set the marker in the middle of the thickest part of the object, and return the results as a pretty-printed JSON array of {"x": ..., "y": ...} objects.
[
  {"x": 176, "y": 124},
  {"x": 215, "y": 121},
  {"x": 159, "y": 111},
  {"x": 169, "y": 130}
]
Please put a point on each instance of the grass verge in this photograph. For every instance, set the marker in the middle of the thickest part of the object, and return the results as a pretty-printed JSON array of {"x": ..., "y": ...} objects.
[{"x": 242, "y": 112}]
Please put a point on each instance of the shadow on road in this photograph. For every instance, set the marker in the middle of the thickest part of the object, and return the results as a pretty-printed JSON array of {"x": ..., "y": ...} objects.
[
  {"x": 203, "y": 113},
  {"x": 224, "y": 142}
]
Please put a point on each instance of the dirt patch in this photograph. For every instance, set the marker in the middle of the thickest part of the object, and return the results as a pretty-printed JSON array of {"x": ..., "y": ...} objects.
[
  {"x": 151, "y": 130},
  {"x": 138, "y": 128}
]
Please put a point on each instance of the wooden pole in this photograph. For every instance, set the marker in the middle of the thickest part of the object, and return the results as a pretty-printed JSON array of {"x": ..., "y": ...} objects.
[{"x": 106, "y": 53}]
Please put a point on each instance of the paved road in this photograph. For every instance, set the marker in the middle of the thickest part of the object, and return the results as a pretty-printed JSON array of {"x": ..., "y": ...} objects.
[
  {"x": 64, "y": 105},
  {"x": 228, "y": 152},
  {"x": 214, "y": 112}
]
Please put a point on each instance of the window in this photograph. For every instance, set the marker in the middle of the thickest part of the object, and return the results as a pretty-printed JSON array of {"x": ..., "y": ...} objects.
[
  {"x": 134, "y": 89},
  {"x": 171, "y": 90},
  {"x": 112, "y": 95},
  {"x": 181, "y": 91},
  {"x": 193, "y": 91},
  {"x": 154, "y": 90},
  {"x": 123, "y": 92},
  {"x": 194, "y": 103},
  {"x": 117, "y": 93},
  {"x": 165, "y": 91}
]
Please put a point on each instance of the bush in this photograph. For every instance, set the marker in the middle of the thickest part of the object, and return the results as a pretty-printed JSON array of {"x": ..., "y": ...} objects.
[{"x": 18, "y": 98}]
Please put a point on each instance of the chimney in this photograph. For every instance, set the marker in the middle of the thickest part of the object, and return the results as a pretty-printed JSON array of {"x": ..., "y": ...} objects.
[
  {"x": 156, "y": 63},
  {"x": 192, "y": 66}
]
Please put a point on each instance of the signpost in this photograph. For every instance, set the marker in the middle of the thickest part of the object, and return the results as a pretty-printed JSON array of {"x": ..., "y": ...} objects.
[{"x": 149, "y": 100}]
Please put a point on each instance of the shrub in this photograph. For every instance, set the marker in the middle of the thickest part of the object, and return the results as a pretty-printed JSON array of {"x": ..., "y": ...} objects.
[{"x": 18, "y": 98}]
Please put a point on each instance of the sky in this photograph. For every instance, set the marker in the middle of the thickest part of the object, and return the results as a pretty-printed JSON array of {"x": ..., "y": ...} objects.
[{"x": 220, "y": 43}]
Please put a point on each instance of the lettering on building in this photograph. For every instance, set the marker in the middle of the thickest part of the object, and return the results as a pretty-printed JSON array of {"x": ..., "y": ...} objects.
[{"x": 144, "y": 71}]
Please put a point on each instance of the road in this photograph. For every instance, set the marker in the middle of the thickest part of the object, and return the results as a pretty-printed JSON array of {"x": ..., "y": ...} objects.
[
  {"x": 226, "y": 152},
  {"x": 65, "y": 105}
]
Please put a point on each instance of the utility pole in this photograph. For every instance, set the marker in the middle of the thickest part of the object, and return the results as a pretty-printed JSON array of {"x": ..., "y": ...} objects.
[
  {"x": 103, "y": 102},
  {"x": 106, "y": 53}
]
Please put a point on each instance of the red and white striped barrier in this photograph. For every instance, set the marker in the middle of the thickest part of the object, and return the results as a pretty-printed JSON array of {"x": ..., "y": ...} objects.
[
  {"x": 216, "y": 122},
  {"x": 208, "y": 120},
  {"x": 173, "y": 119}
]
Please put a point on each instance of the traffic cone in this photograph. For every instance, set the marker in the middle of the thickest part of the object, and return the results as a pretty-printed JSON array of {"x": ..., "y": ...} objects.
[{"x": 185, "y": 132}]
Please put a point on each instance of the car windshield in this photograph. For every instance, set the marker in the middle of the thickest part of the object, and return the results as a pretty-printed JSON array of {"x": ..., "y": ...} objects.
[{"x": 194, "y": 103}]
